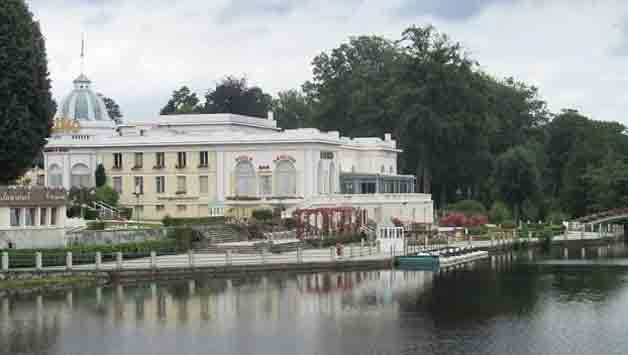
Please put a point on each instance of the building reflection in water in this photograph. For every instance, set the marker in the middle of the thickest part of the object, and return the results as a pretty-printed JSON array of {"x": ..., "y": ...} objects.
[{"x": 222, "y": 304}]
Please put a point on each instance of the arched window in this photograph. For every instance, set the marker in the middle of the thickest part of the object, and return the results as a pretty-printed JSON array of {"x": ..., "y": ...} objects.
[
  {"x": 332, "y": 178},
  {"x": 55, "y": 176},
  {"x": 285, "y": 178},
  {"x": 245, "y": 179},
  {"x": 80, "y": 175}
]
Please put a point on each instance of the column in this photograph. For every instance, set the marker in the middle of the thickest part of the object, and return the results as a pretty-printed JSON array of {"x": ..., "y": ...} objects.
[{"x": 220, "y": 175}]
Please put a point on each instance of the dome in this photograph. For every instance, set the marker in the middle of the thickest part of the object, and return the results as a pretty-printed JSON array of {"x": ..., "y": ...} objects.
[{"x": 82, "y": 103}]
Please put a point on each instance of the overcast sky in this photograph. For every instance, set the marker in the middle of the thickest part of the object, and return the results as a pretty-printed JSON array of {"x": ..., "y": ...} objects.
[{"x": 139, "y": 51}]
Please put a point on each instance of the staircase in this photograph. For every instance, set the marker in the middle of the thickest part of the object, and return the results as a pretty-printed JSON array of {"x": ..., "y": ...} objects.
[
  {"x": 219, "y": 233},
  {"x": 106, "y": 211}
]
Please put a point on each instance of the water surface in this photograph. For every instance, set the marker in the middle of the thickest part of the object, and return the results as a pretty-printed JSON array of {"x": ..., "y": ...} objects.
[{"x": 489, "y": 308}]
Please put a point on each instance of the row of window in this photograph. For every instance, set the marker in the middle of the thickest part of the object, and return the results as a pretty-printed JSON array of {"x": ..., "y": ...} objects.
[
  {"x": 246, "y": 184},
  {"x": 160, "y": 160},
  {"x": 32, "y": 216},
  {"x": 160, "y": 184}
]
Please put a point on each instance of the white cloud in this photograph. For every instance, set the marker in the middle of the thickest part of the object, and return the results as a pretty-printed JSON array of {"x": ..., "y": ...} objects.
[{"x": 138, "y": 53}]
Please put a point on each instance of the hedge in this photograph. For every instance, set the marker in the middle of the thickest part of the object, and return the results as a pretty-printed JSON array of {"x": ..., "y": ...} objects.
[
  {"x": 85, "y": 254},
  {"x": 168, "y": 221}
]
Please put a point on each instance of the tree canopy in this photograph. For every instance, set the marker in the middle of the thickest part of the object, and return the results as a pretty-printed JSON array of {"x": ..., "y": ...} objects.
[
  {"x": 113, "y": 109},
  {"x": 26, "y": 105},
  {"x": 231, "y": 95}
]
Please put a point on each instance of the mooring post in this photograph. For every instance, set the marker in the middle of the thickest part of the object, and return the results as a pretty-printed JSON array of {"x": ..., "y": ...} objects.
[
  {"x": 331, "y": 253},
  {"x": 228, "y": 257},
  {"x": 583, "y": 253},
  {"x": 119, "y": 260},
  {"x": 565, "y": 253},
  {"x": 5, "y": 261},
  {"x": 38, "y": 262},
  {"x": 68, "y": 260},
  {"x": 299, "y": 255},
  {"x": 98, "y": 260},
  {"x": 153, "y": 259},
  {"x": 191, "y": 258}
]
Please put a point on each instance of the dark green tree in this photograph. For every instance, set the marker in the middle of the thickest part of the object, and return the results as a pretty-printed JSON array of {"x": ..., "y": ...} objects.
[
  {"x": 292, "y": 110},
  {"x": 113, "y": 109},
  {"x": 517, "y": 176},
  {"x": 100, "y": 176},
  {"x": 26, "y": 105},
  {"x": 183, "y": 101},
  {"x": 232, "y": 95}
]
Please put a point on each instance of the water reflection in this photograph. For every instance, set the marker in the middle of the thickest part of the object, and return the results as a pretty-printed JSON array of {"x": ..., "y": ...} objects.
[{"x": 496, "y": 307}]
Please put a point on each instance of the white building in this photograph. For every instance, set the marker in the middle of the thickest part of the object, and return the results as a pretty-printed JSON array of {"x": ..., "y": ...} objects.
[
  {"x": 210, "y": 164},
  {"x": 31, "y": 217}
]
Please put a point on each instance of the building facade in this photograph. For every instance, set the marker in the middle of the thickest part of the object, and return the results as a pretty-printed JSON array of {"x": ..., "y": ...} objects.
[
  {"x": 31, "y": 217},
  {"x": 215, "y": 164}
]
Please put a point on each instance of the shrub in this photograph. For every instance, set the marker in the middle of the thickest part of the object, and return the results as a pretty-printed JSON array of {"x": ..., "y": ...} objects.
[
  {"x": 454, "y": 219},
  {"x": 510, "y": 224},
  {"x": 262, "y": 214},
  {"x": 557, "y": 217},
  {"x": 289, "y": 223},
  {"x": 467, "y": 207},
  {"x": 499, "y": 213},
  {"x": 396, "y": 222},
  {"x": 184, "y": 237},
  {"x": 191, "y": 221},
  {"x": 126, "y": 212},
  {"x": 101, "y": 176},
  {"x": 107, "y": 195}
]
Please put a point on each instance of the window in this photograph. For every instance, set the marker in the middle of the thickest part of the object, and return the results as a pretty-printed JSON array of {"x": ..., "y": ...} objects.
[
  {"x": 327, "y": 155},
  {"x": 285, "y": 178},
  {"x": 117, "y": 184},
  {"x": 53, "y": 216},
  {"x": 29, "y": 216},
  {"x": 181, "y": 185},
  {"x": 40, "y": 179},
  {"x": 160, "y": 160},
  {"x": 382, "y": 169},
  {"x": 244, "y": 179},
  {"x": 139, "y": 185},
  {"x": 139, "y": 161},
  {"x": 117, "y": 160},
  {"x": 160, "y": 208},
  {"x": 265, "y": 185},
  {"x": 15, "y": 217},
  {"x": 181, "y": 162},
  {"x": 160, "y": 184},
  {"x": 181, "y": 208},
  {"x": 80, "y": 176},
  {"x": 43, "y": 216},
  {"x": 203, "y": 184},
  {"x": 203, "y": 159},
  {"x": 55, "y": 176}
]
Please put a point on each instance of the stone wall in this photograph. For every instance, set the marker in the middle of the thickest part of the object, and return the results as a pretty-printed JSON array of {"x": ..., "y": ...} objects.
[
  {"x": 116, "y": 236},
  {"x": 32, "y": 238}
]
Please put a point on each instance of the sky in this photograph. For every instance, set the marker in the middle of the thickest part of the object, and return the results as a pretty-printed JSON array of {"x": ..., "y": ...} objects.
[{"x": 139, "y": 51}]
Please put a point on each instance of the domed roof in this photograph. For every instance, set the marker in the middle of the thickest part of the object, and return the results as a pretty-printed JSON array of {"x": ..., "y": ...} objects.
[{"x": 82, "y": 103}]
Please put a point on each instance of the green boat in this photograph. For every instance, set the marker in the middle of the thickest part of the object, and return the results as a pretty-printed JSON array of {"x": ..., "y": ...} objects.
[{"x": 417, "y": 262}]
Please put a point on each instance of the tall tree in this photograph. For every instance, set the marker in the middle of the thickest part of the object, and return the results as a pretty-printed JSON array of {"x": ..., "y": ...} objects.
[
  {"x": 113, "y": 109},
  {"x": 292, "y": 110},
  {"x": 26, "y": 105},
  {"x": 517, "y": 176},
  {"x": 232, "y": 95},
  {"x": 183, "y": 101}
]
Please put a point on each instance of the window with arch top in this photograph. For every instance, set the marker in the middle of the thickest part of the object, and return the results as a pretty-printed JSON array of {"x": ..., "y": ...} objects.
[
  {"x": 80, "y": 175},
  {"x": 245, "y": 179},
  {"x": 285, "y": 178}
]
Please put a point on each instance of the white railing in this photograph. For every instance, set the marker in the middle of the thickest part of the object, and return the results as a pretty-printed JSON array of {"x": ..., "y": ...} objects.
[
  {"x": 357, "y": 199},
  {"x": 120, "y": 261},
  {"x": 105, "y": 210}
]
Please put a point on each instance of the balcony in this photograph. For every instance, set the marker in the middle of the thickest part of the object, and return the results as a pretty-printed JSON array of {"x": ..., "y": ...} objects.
[
  {"x": 136, "y": 167},
  {"x": 158, "y": 167},
  {"x": 178, "y": 166}
]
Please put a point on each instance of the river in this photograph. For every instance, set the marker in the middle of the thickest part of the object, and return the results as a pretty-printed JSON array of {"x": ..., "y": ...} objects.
[{"x": 505, "y": 307}]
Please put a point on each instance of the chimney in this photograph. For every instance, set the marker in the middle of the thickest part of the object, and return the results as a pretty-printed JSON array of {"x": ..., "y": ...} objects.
[{"x": 387, "y": 137}]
